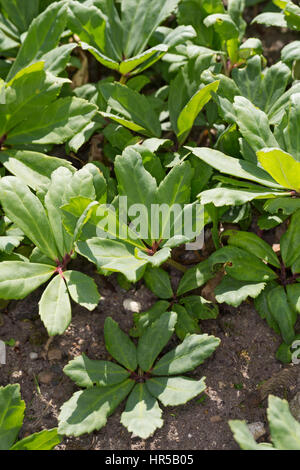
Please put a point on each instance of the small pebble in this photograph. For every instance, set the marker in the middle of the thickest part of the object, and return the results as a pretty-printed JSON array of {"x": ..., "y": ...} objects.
[
  {"x": 33, "y": 356},
  {"x": 45, "y": 377},
  {"x": 257, "y": 429},
  {"x": 215, "y": 419},
  {"x": 132, "y": 305},
  {"x": 54, "y": 354},
  {"x": 190, "y": 436}
]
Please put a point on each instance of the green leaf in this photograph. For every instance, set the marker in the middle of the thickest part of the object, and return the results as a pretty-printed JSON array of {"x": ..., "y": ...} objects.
[
  {"x": 285, "y": 430},
  {"x": 136, "y": 183},
  {"x": 119, "y": 346},
  {"x": 20, "y": 13},
  {"x": 244, "y": 437},
  {"x": 9, "y": 243},
  {"x": 113, "y": 256},
  {"x": 287, "y": 132},
  {"x": 253, "y": 124},
  {"x": 103, "y": 59},
  {"x": 293, "y": 295},
  {"x": 82, "y": 289},
  {"x": 87, "y": 372},
  {"x": 186, "y": 324},
  {"x": 33, "y": 168},
  {"x": 174, "y": 391},
  {"x": 143, "y": 320},
  {"x": 271, "y": 19},
  {"x": 56, "y": 123},
  {"x": 234, "y": 292},
  {"x": 241, "y": 265},
  {"x": 26, "y": 211},
  {"x": 12, "y": 410},
  {"x": 142, "y": 415},
  {"x": 158, "y": 281},
  {"x": 281, "y": 166},
  {"x": 43, "y": 36},
  {"x": 18, "y": 279},
  {"x": 195, "y": 277},
  {"x": 132, "y": 106},
  {"x": 291, "y": 52},
  {"x": 174, "y": 191},
  {"x": 282, "y": 313},
  {"x": 142, "y": 61},
  {"x": 192, "y": 109},
  {"x": 189, "y": 354},
  {"x": 223, "y": 25},
  {"x": 285, "y": 205},
  {"x": 88, "y": 23},
  {"x": 155, "y": 339},
  {"x": 55, "y": 307},
  {"x": 233, "y": 166},
  {"x": 290, "y": 241},
  {"x": 200, "y": 308},
  {"x": 140, "y": 18},
  {"x": 87, "y": 411},
  {"x": 236, "y": 197},
  {"x": 253, "y": 244},
  {"x": 43, "y": 440}
]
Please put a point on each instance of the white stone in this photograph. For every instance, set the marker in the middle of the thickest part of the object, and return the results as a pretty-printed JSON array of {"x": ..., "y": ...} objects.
[
  {"x": 33, "y": 356},
  {"x": 132, "y": 305},
  {"x": 257, "y": 429}
]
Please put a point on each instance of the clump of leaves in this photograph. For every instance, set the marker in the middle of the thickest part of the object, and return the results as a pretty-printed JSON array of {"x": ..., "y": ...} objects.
[
  {"x": 118, "y": 39},
  {"x": 284, "y": 429},
  {"x": 190, "y": 309},
  {"x": 107, "y": 384},
  {"x": 105, "y": 238},
  {"x": 40, "y": 219},
  {"x": 272, "y": 165},
  {"x": 252, "y": 269},
  {"x": 12, "y": 410}
]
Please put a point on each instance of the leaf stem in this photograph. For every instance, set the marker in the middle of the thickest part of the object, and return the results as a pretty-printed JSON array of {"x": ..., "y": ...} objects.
[{"x": 176, "y": 265}]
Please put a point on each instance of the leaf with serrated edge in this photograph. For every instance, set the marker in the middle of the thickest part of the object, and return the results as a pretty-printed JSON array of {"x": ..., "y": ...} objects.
[
  {"x": 87, "y": 411},
  {"x": 189, "y": 354},
  {"x": 82, "y": 289},
  {"x": 18, "y": 279},
  {"x": 142, "y": 415},
  {"x": 173, "y": 391}
]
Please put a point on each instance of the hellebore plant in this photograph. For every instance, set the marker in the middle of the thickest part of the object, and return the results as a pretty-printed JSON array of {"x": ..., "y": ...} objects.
[
  {"x": 40, "y": 219},
  {"x": 107, "y": 384},
  {"x": 161, "y": 217},
  {"x": 190, "y": 309},
  {"x": 252, "y": 269}
]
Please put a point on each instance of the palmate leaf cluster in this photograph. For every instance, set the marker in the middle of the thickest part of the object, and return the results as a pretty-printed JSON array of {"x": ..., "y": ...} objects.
[{"x": 186, "y": 111}]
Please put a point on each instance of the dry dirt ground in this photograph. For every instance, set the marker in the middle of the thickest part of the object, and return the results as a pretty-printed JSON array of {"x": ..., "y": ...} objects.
[{"x": 243, "y": 361}]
